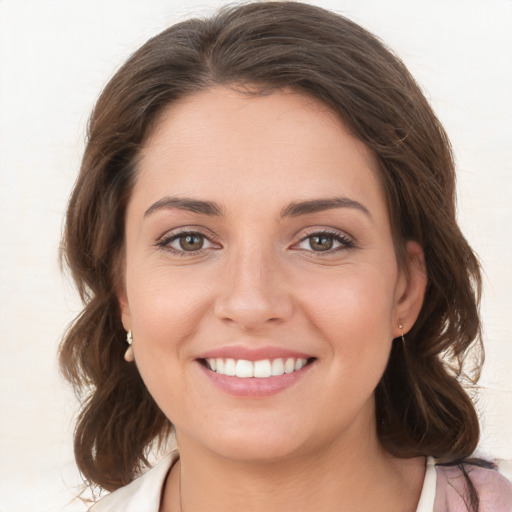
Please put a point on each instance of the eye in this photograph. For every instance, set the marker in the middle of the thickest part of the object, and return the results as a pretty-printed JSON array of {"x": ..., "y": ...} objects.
[
  {"x": 189, "y": 242},
  {"x": 185, "y": 242},
  {"x": 324, "y": 242}
]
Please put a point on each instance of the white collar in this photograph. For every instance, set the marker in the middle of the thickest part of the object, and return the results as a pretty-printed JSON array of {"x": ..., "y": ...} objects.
[
  {"x": 428, "y": 492},
  {"x": 141, "y": 495}
]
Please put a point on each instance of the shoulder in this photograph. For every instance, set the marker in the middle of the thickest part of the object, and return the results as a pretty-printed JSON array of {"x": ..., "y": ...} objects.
[
  {"x": 141, "y": 495},
  {"x": 453, "y": 493}
]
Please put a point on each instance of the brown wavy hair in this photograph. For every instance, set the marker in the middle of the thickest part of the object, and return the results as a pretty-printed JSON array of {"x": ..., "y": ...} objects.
[{"x": 422, "y": 408}]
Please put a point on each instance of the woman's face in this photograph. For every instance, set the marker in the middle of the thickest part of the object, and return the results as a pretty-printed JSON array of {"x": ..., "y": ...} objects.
[{"x": 258, "y": 240}]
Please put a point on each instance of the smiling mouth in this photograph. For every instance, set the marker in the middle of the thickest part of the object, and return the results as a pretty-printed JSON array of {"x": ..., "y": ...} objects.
[{"x": 262, "y": 369}]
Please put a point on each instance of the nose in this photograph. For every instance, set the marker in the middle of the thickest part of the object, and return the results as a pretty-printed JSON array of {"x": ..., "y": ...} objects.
[{"x": 254, "y": 292}]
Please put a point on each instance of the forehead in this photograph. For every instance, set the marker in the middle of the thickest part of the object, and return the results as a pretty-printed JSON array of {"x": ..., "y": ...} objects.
[{"x": 226, "y": 143}]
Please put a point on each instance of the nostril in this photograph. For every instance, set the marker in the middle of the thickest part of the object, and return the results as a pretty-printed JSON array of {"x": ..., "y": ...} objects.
[{"x": 252, "y": 305}]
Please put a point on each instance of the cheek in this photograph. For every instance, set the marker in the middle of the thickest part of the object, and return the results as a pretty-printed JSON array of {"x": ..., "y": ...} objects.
[
  {"x": 162, "y": 300},
  {"x": 353, "y": 313},
  {"x": 166, "y": 316},
  {"x": 351, "y": 300},
  {"x": 166, "y": 312}
]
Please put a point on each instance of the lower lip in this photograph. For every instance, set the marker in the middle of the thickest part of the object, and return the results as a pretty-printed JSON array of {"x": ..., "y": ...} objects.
[{"x": 253, "y": 387}]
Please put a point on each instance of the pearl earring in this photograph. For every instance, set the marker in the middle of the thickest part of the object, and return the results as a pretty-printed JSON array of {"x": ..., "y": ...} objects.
[
  {"x": 129, "y": 357},
  {"x": 401, "y": 327}
]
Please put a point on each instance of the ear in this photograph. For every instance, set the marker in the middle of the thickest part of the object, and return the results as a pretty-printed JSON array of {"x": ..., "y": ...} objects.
[
  {"x": 124, "y": 307},
  {"x": 410, "y": 290}
]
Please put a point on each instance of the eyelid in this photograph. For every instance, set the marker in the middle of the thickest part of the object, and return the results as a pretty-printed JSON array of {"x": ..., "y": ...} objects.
[
  {"x": 183, "y": 230},
  {"x": 173, "y": 234},
  {"x": 346, "y": 241}
]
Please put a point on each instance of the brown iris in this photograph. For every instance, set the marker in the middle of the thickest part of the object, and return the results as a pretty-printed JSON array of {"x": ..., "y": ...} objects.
[
  {"x": 191, "y": 242},
  {"x": 321, "y": 242}
]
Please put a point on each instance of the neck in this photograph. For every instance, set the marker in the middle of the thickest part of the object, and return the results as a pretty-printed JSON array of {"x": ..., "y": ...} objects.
[{"x": 343, "y": 477}]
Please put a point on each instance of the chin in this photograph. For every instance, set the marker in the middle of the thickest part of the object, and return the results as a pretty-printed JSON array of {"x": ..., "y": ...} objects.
[{"x": 255, "y": 441}]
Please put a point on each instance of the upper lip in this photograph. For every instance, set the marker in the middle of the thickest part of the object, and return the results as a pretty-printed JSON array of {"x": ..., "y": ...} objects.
[{"x": 253, "y": 353}]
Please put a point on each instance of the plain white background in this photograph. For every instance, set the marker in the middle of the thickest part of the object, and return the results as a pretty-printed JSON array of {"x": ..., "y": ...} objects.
[{"x": 55, "y": 58}]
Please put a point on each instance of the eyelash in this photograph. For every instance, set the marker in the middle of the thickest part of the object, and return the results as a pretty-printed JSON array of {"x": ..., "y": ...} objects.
[
  {"x": 344, "y": 241},
  {"x": 164, "y": 242}
]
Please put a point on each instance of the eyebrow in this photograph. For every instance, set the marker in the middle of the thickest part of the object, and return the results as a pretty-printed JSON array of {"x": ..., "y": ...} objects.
[
  {"x": 184, "y": 203},
  {"x": 295, "y": 209},
  {"x": 320, "y": 205}
]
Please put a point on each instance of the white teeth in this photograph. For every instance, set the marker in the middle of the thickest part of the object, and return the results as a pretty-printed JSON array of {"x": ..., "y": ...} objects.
[
  {"x": 262, "y": 369},
  {"x": 230, "y": 367},
  {"x": 259, "y": 369},
  {"x": 277, "y": 367},
  {"x": 244, "y": 369},
  {"x": 300, "y": 363},
  {"x": 289, "y": 366}
]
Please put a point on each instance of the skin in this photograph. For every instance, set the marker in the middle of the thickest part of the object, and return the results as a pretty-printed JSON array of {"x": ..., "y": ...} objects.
[{"x": 258, "y": 281}]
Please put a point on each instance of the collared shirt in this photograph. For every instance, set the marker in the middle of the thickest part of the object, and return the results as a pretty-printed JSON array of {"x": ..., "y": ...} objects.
[{"x": 444, "y": 490}]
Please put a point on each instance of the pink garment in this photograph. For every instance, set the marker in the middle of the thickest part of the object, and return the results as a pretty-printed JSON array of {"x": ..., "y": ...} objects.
[{"x": 494, "y": 490}]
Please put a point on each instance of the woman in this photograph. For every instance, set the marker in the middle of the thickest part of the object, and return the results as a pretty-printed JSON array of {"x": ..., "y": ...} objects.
[{"x": 265, "y": 213}]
